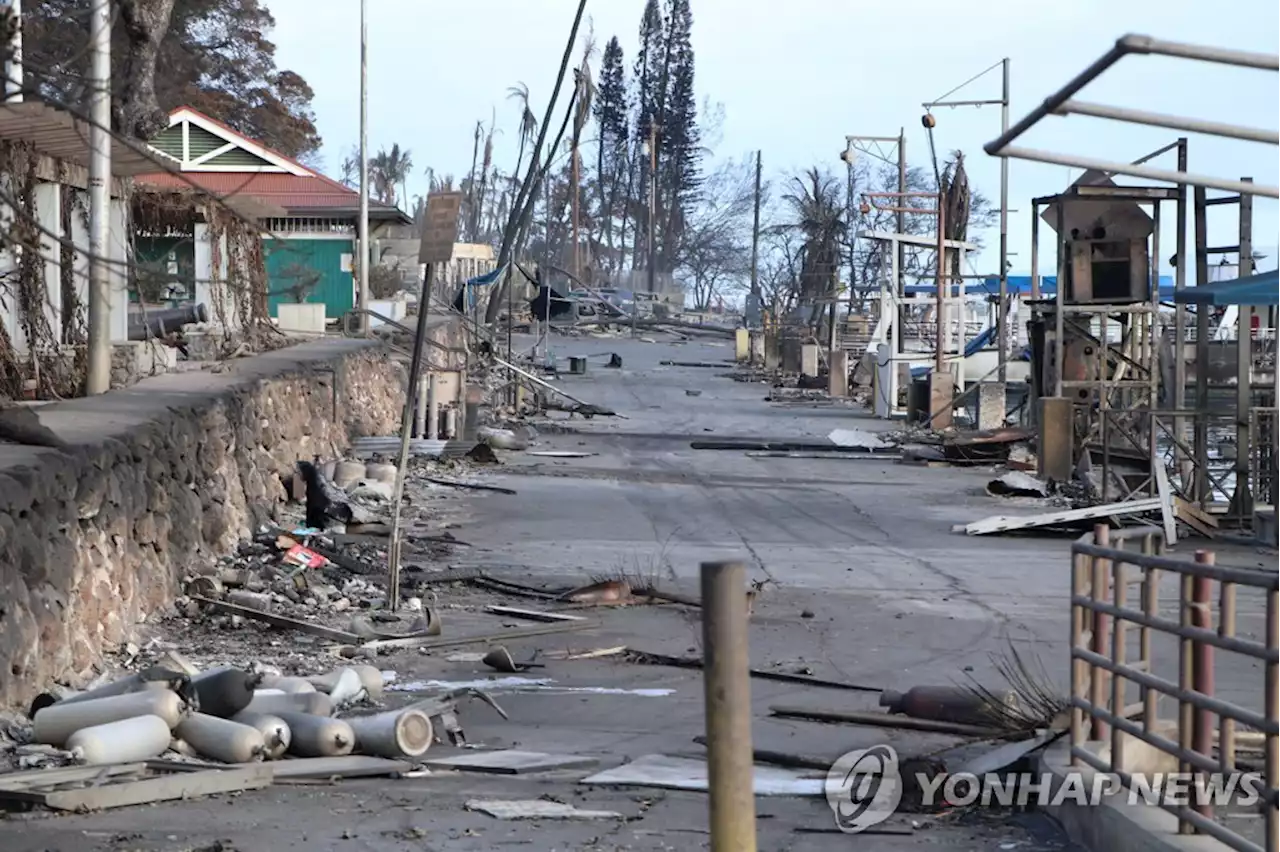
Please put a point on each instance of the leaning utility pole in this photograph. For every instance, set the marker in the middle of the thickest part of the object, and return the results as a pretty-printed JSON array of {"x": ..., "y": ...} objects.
[
  {"x": 98, "y": 375},
  {"x": 362, "y": 267},
  {"x": 755, "y": 239}
]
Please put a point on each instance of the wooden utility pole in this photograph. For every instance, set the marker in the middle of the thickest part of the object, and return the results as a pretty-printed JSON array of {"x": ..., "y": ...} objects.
[
  {"x": 576, "y": 200},
  {"x": 653, "y": 205},
  {"x": 755, "y": 239}
]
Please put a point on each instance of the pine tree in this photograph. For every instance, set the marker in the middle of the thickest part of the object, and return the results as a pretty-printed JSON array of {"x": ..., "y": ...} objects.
[
  {"x": 680, "y": 152},
  {"x": 611, "y": 158},
  {"x": 650, "y": 83}
]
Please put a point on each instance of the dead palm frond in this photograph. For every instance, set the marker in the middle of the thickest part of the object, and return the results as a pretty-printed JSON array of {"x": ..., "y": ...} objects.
[{"x": 1037, "y": 702}]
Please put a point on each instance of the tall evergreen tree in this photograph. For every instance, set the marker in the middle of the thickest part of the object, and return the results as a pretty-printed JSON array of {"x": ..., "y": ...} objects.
[
  {"x": 650, "y": 62},
  {"x": 680, "y": 152},
  {"x": 611, "y": 158}
]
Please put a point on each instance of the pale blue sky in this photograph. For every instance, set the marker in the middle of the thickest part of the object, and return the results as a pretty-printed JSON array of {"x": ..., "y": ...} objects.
[{"x": 797, "y": 76}]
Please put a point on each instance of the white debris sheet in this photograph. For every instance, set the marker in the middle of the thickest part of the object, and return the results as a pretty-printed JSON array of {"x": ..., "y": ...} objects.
[
  {"x": 535, "y": 809},
  {"x": 858, "y": 438},
  {"x": 682, "y": 773},
  {"x": 524, "y": 684}
]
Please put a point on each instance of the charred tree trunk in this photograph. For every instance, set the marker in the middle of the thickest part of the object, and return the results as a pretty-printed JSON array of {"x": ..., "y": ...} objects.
[{"x": 138, "y": 113}]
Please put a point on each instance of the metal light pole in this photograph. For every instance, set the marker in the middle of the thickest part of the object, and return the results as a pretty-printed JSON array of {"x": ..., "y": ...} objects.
[
  {"x": 98, "y": 375},
  {"x": 363, "y": 235},
  {"x": 755, "y": 237},
  {"x": 649, "y": 147},
  {"x": 1003, "y": 103}
]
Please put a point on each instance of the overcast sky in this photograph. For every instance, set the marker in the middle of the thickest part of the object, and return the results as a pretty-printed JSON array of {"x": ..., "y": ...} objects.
[{"x": 796, "y": 76}]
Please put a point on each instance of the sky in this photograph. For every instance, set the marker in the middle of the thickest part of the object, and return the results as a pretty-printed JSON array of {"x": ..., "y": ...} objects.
[{"x": 796, "y": 77}]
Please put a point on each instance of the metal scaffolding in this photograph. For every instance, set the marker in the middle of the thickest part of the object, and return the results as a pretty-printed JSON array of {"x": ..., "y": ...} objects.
[{"x": 1115, "y": 381}]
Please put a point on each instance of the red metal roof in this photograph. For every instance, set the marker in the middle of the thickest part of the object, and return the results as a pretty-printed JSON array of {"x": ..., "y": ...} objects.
[{"x": 291, "y": 192}]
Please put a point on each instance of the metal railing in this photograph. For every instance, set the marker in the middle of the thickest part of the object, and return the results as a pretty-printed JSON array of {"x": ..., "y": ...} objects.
[
  {"x": 1104, "y": 572},
  {"x": 1264, "y": 466}
]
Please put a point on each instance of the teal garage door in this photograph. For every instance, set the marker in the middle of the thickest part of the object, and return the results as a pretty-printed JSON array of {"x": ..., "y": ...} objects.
[{"x": 312, "y": 270}]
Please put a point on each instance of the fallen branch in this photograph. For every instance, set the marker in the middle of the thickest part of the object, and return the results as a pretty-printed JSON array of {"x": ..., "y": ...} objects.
[
  {"x": 885, "y": 720},
  {"x": 515, "y": 589},
  {"x": 432, "y": 643},
  {"x": 697, "y": 663},
  {"x": 470, "y": 486},
  {"x": 595, "y": 409},
  {"x": 279, "y": 620}
]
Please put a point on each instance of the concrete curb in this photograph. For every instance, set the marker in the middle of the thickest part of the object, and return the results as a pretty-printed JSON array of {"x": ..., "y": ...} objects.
[{"x": 1116, "y": 825}]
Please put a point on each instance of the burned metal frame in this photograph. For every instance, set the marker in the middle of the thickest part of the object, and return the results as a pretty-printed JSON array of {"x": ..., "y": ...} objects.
[
  {"x": 939, "y": 279},
  {"x": 1061, "y": 103},
  {"x": 1139, "y": 352}
]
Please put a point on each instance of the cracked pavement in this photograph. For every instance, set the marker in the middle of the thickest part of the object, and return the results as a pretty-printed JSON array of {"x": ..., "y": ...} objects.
[{"x": 870, "y": 586}]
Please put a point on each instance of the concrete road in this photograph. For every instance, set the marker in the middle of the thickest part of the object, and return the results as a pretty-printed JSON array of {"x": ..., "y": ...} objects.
[{"x": 869, "y": 586}]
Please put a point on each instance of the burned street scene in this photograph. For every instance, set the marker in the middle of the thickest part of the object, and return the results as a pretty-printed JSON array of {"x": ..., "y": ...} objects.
[{"x": 401, "y": 456}]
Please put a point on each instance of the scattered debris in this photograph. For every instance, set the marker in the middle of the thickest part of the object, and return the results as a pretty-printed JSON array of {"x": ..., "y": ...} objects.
[
  {"x": 949, "y": 704},
  {"x": 95, "y": 788},
  {"x": 531, "y": 614},
  {"x": 602, "y": 593},
  {"x": 535, "y": 809},
  {"x": 680, "y": 773},
  {"x": 637, "y": 656},
  {"x": 1008, "y": 523},
  {"x": 510, "y": 762},
  {"x": 470, "y": 486},
  {"x": 499, "y": 659},
  {"x": 1015, "y": 483},
  {"x": 858, "y": 438}
]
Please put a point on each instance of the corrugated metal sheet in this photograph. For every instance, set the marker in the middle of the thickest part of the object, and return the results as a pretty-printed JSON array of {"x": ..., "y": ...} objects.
[{"x": 59, "y": 134}]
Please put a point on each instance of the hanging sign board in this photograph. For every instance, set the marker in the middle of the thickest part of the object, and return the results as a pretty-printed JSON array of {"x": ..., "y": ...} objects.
[{"x": 440, "y": 227}]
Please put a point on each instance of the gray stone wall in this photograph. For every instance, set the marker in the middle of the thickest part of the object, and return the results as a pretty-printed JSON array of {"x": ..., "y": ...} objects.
[{"x": 161, "y": 477}]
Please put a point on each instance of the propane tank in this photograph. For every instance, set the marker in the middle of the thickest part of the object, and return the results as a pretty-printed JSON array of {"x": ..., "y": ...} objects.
[
  {"x": 133, "y": 683},
  {"x": 222, "y": 739},
  {"x": 275, "y": 732},
  {"x": 224, "y": 692},
  {"x": 326, "y": 682},
  {"x": 289, "y": 685},
  {"x": 397, "y": 734},
  {"x": 347, "y": 473},
  {"x": 343, "y": 685},
  {"x": 55, "y": 723},
  {"x": 183, "y": 748},
  {"x": 122, "y": 741},
  {"x": 317, "y": 736},
  {"x": 311, "y": 703},
  {"x": 371, "y": 677},
  {"x": 949, "y": 704}
]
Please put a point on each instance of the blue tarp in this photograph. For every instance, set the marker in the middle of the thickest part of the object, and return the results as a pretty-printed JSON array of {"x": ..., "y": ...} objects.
[
  {"x": 486, "y": 279},
  {"x": 1020, "y": 285},
  {"x": 1262, "y": 289}
]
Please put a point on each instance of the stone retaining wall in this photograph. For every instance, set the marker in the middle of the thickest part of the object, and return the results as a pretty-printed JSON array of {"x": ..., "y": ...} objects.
[{"x": 162, "y": 476}]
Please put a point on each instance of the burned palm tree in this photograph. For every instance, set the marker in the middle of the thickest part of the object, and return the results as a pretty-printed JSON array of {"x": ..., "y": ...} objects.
[
  {"x": 584, "y": 97},
  {"x": 957, "y": 204},
  {"x": 818, "y": 212}
]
